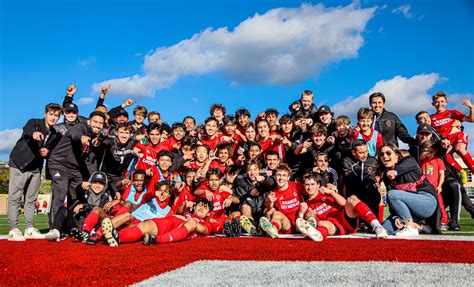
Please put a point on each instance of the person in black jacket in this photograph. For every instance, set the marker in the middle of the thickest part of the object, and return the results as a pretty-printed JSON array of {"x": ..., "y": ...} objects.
[
  {"x": 67, "y": 164},
  {"x": 411, "y": 197},
  {"x": 388, "y": 123},
  {"x": 26, "y": 162},
  {"x": 304, "y": 107}
]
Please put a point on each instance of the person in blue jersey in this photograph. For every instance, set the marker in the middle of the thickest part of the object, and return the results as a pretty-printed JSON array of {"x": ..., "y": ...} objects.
[{"x": 364, "y": 131}]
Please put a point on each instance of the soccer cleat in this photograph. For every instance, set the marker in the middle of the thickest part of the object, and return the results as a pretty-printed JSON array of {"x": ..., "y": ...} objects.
[
  {"x": 463, "y": 176},
  {"x": 236, "y": 228},
  {"x": 228, "y": 229},
  {"x": 380, "y": 232},
  {"x": 53, "y": 235},
  {"x": 110, "y": 234},
  {"x": 93, "y": 239},
  {"x": 79, "y": 235},
  {"x": 313, "y": 222},
  {"x": 149, "y": 239},
  {"x": 443, "y": 227},
  {"x": 33, "y": 233},
  {"x": 15, "y": 235},
  {"x": 268, "y": 227},
  {"x": 407, "y": 231},
  {"x": 247, "y": 225},
  {"x": 305, "y": 228},
  {"x": 454, "y": 225}
]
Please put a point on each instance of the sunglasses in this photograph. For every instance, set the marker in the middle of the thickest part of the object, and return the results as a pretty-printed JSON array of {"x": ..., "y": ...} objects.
[{"x": 388, "y": 153}]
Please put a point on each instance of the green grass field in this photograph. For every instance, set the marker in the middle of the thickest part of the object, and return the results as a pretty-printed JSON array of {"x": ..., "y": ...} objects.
[{"x": 41, "y": 222}]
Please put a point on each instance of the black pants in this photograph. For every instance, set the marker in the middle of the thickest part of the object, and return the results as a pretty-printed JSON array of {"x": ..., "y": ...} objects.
[
  {"x": 454, "y": 195},
  {"x": 65, "y": 183},
  {"x": 367, "y": 192},
  {"x": 65, "y": 220}
]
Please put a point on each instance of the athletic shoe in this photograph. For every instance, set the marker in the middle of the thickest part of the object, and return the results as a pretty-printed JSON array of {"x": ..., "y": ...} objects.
[
  {"x": 15, "y": 235},
  {"x": 443, "y": 227},
  {"x": 79, "y": 235},
  {"x": 454, "y": 225},
  {"x": 463, "y": 176},
  {"x": 110, "y": 234},
  {"x": 53, "y": 235},
  {"x": 313, "y": 222},
  {"x": 268, "y": 227},
  {"x": 236, "y": 228},
  {"x": 149, "y": 239},
  {"x": 228, "y": 229},
  {"x": 380, "y": 232},
  {"x": 305, "y": 228},
  {"x": 247, "y": 225},
  {"x": 93, "y": 239},
  {"x": 407, "y": 231},
  {"x": 33, "y": 233}
]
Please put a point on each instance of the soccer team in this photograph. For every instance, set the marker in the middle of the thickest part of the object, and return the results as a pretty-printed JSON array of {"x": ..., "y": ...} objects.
[{"x": 117, "y": 180}]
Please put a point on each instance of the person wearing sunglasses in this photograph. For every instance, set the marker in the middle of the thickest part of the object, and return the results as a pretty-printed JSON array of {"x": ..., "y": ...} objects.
[{"x": 411, "y": 197}]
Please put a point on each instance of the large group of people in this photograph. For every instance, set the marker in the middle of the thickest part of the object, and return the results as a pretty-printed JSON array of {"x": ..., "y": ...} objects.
[{"x": 118, "y": 180}]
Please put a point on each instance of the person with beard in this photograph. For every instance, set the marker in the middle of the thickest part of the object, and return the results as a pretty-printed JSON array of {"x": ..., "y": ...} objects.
[
  {"x": 67, "y": 163},
  {"x": 70, "y": 220}
]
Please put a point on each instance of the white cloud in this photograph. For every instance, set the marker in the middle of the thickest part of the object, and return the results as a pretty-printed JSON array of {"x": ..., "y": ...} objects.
[
  {"x": 86, "y": 62},
  {"x": 404, "y": 10},
  {"x": 281, "y": 46},
  {"x": 9, "y": 138},
  {"x": 404, "y": 96},
  {"x": 85, "y": 101}
]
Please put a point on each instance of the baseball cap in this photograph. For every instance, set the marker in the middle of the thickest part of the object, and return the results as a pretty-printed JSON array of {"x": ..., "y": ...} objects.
[
  {"x": 70, "y": 108},
  {"x": 99, "y": 176},
  {"x": 122, "y": 112},
  {"x": 424, "y": 128},
  {"x": 324, "y": 109}
]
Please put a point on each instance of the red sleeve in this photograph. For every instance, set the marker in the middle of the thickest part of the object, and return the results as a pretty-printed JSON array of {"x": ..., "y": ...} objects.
[
  {"x": 214, "y": 164},
  {"x": 149, "y": 195},
  {"x": 141, "y": 146},
  {"x": 457, "y": 115},
  {"x": 379, "y": 142}
]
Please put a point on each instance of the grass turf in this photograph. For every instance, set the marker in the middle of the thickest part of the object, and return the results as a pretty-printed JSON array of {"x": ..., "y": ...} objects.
[{"x": 41, "y": 222}]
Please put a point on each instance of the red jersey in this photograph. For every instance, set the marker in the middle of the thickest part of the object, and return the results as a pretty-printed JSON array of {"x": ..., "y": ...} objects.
[
  {"x": 201, "y": 221},
  {"x": 149, "y": 153},
  {"x": 431, "y": 168},
  {"x": 288, "y": 201},
  {"x": 217, "y": 164},
  {"x": 184, "y": 195},
  {"x": 324, "y": 206},
  {"x": 169, "y": 143},
  {"x": 212, "y": 143},
  {"x": 217, "y": 201},
  {"x": 269, "y": 144},
  {"x": 131, "y": 195},
  {"x": 443, "y": 121}
]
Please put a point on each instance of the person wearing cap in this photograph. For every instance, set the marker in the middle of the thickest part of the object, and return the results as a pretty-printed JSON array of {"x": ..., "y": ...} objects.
[
  {"x": 70, "y": 112},
  {"x": 388, "y": 123},
  {"x": 26, "y": 162},
  {"x": 325, "y": 116},
  {"x": 70, "y": 220},
  {"x": 67, "y": 164}
]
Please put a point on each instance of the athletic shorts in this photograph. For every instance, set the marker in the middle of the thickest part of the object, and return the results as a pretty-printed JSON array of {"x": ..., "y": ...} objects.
[
  {"x": 292, "y": 218},
  {"x": 458, "y": 138},
  {"x": 344, "y": 224},
  {"x": 167, "y": 224}
]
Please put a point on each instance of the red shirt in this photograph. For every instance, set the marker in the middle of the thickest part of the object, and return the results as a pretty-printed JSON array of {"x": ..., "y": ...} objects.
[
  {"x": 288, "y": 200},
  {"x": 431, "y": 168},
  {"x": 212, "y": 143},
  {"x": 217, "y": 164},
  {"x": 201, "y": 221},
  {"x": 149, "y": 153},
  {"x": 324, "y": 206},
  {"x": 184, "y": 195},
  {"x": 217, "y": 201},
  {"x": 443, "y": 121},
  {"x": 169, "y": 143}
]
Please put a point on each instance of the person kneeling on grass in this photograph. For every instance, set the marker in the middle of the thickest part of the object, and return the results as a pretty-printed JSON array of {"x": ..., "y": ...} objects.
[
  {"x": 328, "y": 213},
  {"x": 164, "y": 230}
]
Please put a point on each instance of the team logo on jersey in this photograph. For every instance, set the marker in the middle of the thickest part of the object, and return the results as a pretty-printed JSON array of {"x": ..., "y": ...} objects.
[
  {"x": 294, "y": 193},
  {"x": 323, "y": 199},
  {"x": 388, "y": 123},
  {"x": 218, "y": 197}
]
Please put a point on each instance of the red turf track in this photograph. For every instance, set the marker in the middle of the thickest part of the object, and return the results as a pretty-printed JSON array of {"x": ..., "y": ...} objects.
[{"x": 37, "y": 262}]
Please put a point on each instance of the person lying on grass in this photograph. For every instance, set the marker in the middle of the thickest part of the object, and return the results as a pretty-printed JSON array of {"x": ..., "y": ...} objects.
[
  {"x": 164, "y": 230},
  {"x": 326, "y": 212}
]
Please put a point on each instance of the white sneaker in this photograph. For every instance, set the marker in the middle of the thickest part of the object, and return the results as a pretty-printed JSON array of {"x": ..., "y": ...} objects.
[
  {"x": 407, "y": 231},
  {"x": 53, "y": 235},
  {"x": 268, "y": 227},
  {"x": 15, "y": 235},
  {"x": 305, "y": 228},
  {"x": 380, "y": 232},
  {"x": 33, "y": 233},
  {"x": 313, "y": 222}
]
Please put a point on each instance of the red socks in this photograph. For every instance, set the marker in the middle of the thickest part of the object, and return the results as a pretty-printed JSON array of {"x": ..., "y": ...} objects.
[
  {"x": 452, "y": 162},
  {"x": 364, "y": 212},
  {"x": 90, "y": 222},
  {"x": 130, "y": 234},
  {"x": 177, "y": 234},
  {"x": 467, "y": 159},
  {"x": 276, "y": 225},
  {"x": 380, "y": 215},
  {"x": 444, "y": 215},
  {"x": 323, "y": 230}
]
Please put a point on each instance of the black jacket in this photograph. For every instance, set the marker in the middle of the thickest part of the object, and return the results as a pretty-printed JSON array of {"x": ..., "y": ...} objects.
[
  {"x": 25, "y": 155},
  {"x": 391, "y": 128},
  {"x": 309, "y": 113}
]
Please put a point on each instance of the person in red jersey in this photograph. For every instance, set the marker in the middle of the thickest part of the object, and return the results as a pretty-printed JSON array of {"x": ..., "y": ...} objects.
[
  {"x": 224, "y": 157},
  {"x": 148, "y": 153},
  {"x": 186, "y": 196},
  {"x": 220, "y": 196},
  {"x": 162, "y": 170},
  {"x": 174, "y": 141},
  {"x": 447, "y": 124},
  {"x": 212, "y": 137},
  {"x": 168, "y": 229},
  {"x": 282, "y": 204},
  {"x": 365, "y": 131},
  {"x": 326, "y": 212},
  {"x": 243, "y": 119},
  {"x": 269, "y": 140},
  {"x": 230, "y": 132}
]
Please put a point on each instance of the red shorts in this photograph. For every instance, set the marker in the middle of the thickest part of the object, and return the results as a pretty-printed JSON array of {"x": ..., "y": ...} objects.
[
  {"x": 167, "y": 224},
  {"x": 292, "y": 218},
  {"x": 458, "y": 138},
  {"x": 135, "y": 221},
  {"x": 342, "y": 223}
]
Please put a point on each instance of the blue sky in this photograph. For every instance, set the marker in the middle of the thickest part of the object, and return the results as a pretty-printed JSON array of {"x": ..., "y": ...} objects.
[{"x": 407, "y": 49}]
